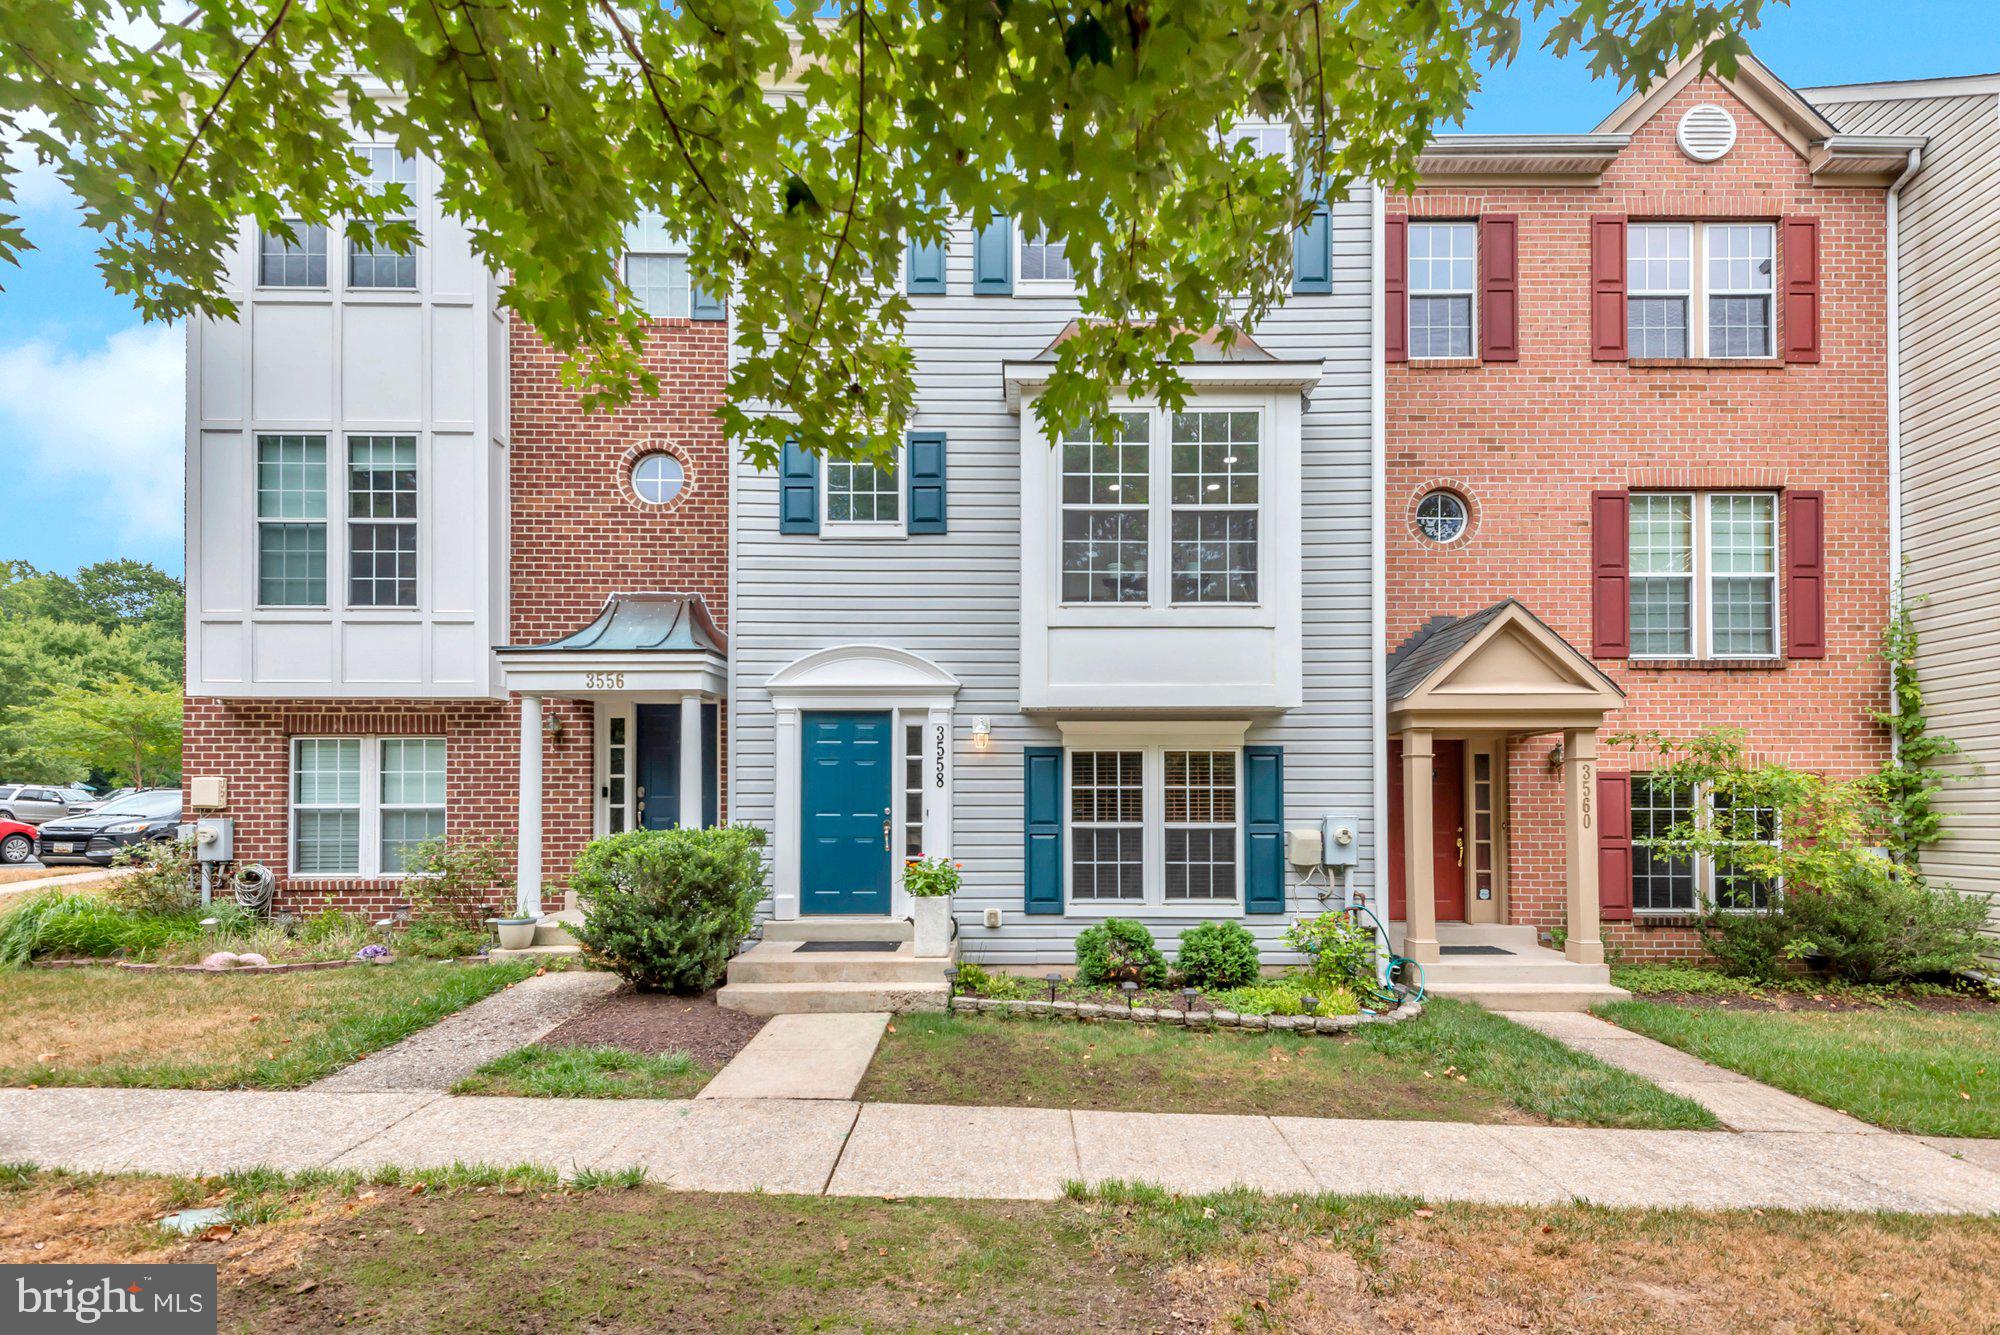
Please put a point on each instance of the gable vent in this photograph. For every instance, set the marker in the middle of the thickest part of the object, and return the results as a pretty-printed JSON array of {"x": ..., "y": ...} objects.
[{"x": 1706, "y": 132}]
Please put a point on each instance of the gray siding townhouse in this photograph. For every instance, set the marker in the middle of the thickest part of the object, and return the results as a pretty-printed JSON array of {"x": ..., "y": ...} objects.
[{"x": 1105, "y": 678}]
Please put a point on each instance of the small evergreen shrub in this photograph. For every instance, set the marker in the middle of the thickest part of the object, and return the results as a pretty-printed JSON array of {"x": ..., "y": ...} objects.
[
  {"x": 1884, "y": 924},
  {"x": 665, "y": 909},
  {"x": 1218, "y": 954},
  {"x": 1119, "y": 950}
]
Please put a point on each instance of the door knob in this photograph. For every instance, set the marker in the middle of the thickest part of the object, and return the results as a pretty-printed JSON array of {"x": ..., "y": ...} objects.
[{"x": 887, "y": 844}]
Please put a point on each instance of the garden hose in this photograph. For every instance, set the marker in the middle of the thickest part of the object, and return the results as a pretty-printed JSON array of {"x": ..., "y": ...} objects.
[{"x": 1393, "y": 994}]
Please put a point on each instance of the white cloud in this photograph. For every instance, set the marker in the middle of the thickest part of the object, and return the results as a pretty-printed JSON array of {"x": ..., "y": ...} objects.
[{"x": 98, "y": 429}]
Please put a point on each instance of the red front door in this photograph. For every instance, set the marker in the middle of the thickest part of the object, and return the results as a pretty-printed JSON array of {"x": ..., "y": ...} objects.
[{"x": 1447, "y": 830}]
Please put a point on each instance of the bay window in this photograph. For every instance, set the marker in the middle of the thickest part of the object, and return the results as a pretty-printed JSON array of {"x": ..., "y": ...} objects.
[
  {"x": 360, "y": 805},
  {"x": 1704, "y": 574}
]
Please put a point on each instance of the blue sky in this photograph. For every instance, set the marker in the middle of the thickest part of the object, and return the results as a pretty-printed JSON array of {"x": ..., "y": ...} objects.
[{"x": 91, "y": 399}]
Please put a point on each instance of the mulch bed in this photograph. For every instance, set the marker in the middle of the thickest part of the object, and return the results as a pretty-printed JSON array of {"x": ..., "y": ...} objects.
[
  {"x": 653, "y": 1023},
  {"x": 1830, "y": 1001}
]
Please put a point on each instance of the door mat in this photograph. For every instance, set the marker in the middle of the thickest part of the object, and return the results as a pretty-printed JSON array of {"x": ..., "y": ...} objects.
[
  {"x": 1472, "y": 950},
  {"x": 847, "y": 947}
]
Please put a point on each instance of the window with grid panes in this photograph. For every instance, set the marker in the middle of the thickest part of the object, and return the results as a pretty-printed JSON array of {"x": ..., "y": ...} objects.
[
  {"x": 411, "y": 797},
  {"x": 1739, "y": 290},
  {"x": 1107, "y": 808},
  {"x": 913, "y": 790},
  {"x": 656, "y": 269},
  {"x": 862, "y": 492},
  {"x": 382, "y": 521},
  {"x": 291, "y": 521},
  {"x": 1044, "y": 261},
  {"x": 370, "y": 264},
  {"x": 300, "y": 262},
  {"x": 1200, "y": 821},
  {"x": 1662, "y": 573},
  {"x": 1704, "y": 574},
  {"x": 326, "y": 806},
  {"x": 1743, "y": 575},
  {"x": 1700, "y": 289},
  {"x": 1659, "y": 285},
  {"x": 1660, "y": 884},
  {"x": 1441, "y": 282},
  {"x": 1214, "y": 505},
  {"x": 1106, "y": 510},
  {"x": 1738, "y": 883}
]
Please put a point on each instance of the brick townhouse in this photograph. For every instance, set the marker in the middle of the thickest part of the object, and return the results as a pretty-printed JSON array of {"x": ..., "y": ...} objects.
[{"x": 1636, "y": 382}]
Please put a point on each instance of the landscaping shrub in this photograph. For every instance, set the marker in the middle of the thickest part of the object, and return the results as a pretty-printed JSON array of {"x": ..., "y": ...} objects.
[
  {"x": 1340, "y": 951},
  {"x": 1218, "y": 954},
  {"x": 164, "y": 880},
  {"x": 1119, "y": 950},
  {"x": 1286, "y": 996},
  {"x": 665, "y": 909},
  {"x": 1885, "y": 924},
  {"x": 456, "y": 883},
  {"x": 974, "y": 981}
]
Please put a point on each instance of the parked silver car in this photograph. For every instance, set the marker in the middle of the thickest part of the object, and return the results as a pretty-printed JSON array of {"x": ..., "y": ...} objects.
[{"x": 32, "y": 803}]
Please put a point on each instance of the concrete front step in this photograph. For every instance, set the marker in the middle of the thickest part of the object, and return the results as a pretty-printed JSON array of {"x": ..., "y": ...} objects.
[
  {"x": 1463, "y": 969},
  {"x": 838, "y": 929},
  {"x": 830, "y": 998},
  {"x": 1530, "y": 996},
  {"x": 782, "y": 962},
  {"x": 553, "y": 929},
  {"x": 1508, "y": 935},
  {"x": 535, "y": 952}
]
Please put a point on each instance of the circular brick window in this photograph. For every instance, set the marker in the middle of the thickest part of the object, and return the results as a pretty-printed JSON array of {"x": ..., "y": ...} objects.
[
  {"x": 657, "y": 478},
  {"x": 1443, "y": 516}
]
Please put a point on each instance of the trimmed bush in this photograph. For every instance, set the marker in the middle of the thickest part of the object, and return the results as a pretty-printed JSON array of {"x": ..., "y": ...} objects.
[
  {"x": 1218, "y": 954},
  {"x": 1119, "y": 950},
  {"x": 1885, "y": 924},
  {"x": 665, "y": 909}
]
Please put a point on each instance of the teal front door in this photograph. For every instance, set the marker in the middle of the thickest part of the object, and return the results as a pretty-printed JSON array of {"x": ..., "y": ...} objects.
[{"x": 844, "y": 798}]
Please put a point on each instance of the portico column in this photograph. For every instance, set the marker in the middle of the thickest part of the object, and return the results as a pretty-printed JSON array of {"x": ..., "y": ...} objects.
[
  {"x": 1419, "y": 855},
  {"x": 690, "y": 762},
  {"x": 1582, "y": 942},
  {"x": 528, "y": 839}
]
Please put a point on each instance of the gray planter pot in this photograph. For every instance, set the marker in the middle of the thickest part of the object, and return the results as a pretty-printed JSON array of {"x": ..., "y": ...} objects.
[
  {"x": 933, "y": 917},
  {"x": 515, "y": 933}
]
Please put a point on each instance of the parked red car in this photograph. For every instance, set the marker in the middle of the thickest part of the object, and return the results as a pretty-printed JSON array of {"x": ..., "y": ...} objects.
[{"x": 17, "y": 841}]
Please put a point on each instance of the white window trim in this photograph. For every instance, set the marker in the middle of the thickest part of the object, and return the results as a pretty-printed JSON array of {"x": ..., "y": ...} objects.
[
  {"x": 1035, "y": 287},
  {"x": 1471, "y": 352},
  {"x": 335, "y": 526},
  {"x": 417, "y": 524},
  {"x": 1704, "y": 866},
  {"x": 369, "y": 831},
  {"x": 1698, "y": 292},
  {"x": 1701, "y": 604},
  {"x": 1159, "y": 609},
  {"x": 870, "y": 529}
]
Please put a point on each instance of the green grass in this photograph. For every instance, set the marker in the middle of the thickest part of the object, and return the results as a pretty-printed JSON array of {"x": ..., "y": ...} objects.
[
  {"x": 587, "y": 1073},
  {"x": 1455, "y": 1063},
  {"x": 227, "y": 1031},
  {"x": 1927, "y": 1072}
]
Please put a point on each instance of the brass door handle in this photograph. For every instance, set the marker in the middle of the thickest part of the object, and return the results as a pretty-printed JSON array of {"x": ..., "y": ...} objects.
[
  {"x": 887, "y": 845},
  {"x": 1461, "y": 850}
]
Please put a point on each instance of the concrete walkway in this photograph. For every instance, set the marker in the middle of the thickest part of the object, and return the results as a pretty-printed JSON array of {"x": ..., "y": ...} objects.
[
  {"x": 80, "y": 879},
  {"x": 439, "y": 1057},
  {"x": 802, "y": 1057},
  {"x": 838, "y": 1147}
]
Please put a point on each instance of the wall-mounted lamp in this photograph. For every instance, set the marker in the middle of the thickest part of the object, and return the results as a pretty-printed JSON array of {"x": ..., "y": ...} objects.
[
  {"x": 1556, "y": 756},
  {"x": 982, "y": 733},
  {"x": 552, "y": 728}
]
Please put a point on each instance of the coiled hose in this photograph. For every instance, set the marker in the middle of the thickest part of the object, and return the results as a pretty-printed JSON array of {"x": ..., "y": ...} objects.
[{"x": 1392, "y": 994}]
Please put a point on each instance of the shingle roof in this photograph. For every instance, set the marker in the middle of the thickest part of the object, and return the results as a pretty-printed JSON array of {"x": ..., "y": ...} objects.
[
  {"x": 641, "y": 622},
  {"x": 1432, "y": 643}
]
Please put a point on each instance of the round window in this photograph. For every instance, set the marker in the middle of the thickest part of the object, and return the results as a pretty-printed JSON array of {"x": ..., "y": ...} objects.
[
  {"x": 657, "y": 478},
  {"x": 1442, "y": 516}
]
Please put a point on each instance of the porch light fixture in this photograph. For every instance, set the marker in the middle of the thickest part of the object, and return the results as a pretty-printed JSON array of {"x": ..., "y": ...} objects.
[
  {"x": 1054, "y": 980},
  {"x": 553, "y": 729},
  {"x": 982, "y": 733},
  {"x": 1131, "y": 991},
  {"x": 1556, "y": 756}
]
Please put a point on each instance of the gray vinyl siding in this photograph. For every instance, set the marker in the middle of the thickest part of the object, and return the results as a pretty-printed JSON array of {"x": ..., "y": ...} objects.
[
  {"x": 956, "y": 598},
  {"x": 1951, "y": 453}
]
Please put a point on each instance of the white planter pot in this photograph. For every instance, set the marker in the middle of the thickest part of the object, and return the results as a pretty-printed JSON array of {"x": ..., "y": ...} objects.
[
  {"x": 515, "y": 934},
  {"x": 933, "y": 925}
]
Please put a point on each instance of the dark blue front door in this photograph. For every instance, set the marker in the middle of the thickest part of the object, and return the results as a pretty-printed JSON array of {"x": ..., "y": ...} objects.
[
  {"x": 844, "y": 800},
  {"x": 657, "y": 766}
]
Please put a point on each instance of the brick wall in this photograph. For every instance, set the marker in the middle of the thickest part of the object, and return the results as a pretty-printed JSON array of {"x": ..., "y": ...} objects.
[
  {"x": 1528, "y": 441},
  {"x": 577, "y": 533}
]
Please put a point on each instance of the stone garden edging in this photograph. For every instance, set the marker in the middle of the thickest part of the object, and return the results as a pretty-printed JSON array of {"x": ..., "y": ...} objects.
[
  {"x": 1083, "y": 1010},
  {"x": 297, "y": 966}
]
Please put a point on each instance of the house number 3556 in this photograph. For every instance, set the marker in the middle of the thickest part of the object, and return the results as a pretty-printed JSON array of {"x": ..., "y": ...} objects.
[{"x": 603, "y": 681}]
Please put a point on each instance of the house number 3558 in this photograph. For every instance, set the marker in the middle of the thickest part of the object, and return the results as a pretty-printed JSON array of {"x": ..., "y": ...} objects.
[{"x": 937, "y": 756}]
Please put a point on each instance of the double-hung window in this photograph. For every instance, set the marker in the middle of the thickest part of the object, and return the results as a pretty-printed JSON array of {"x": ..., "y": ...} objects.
[
  {"x": 1044, "y": 264},
  {"x": 1700, "y": 289},
  {"x": 382, "y": 521},
  {"x": 1704, "y": 574},
  {"x": 1156, "y": 824},
  {"x": 360, "y": 805},
  {"x": 1664, "y": 883},
  {"x": 1193, "y": 508},
  {"x": 864, "y": 496},
  {"x": 371, "y": 264},
  {"x": 656, "y": 269},
  {"x": 300, "y": 262},
  {"x": 1441, "y": 285},
  {"x": 291, "y": 521}
]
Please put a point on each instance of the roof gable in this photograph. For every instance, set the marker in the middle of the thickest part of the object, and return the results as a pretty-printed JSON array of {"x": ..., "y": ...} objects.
[
  {"x": 1761, "y": 92},
  {"x": 1501, "y": 668}
]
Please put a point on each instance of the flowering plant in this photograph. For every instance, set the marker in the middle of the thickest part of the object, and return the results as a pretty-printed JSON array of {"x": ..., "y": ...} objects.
[
  {"x": 376, "y": 951},
  {"x": 931, "y": 878}
]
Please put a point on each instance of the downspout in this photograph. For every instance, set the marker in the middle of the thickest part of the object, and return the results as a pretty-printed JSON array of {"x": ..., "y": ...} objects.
[
  {"x": 1378, "y": 544},
  {"x": 1892, "y": 220}
]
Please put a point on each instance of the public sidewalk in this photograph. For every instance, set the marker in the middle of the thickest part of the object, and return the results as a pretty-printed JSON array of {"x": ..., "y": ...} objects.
[{"x": 838, "y": 1147}]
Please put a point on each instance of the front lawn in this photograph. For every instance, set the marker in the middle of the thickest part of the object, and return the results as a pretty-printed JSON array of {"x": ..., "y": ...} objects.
[
  {"x": 498, "y": 1252},
  {"x": 221, "y": 1031},
  {"x": 1454, "y": 1063},
  {"x": 1930, "y": 1072},
  {"x": 540, "y": 1071}
]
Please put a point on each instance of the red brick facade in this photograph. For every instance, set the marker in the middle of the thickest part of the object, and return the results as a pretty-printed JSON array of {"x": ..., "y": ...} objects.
[
  {"x": 1527, "y": 442},
  {"x": 576, "y": 533}
]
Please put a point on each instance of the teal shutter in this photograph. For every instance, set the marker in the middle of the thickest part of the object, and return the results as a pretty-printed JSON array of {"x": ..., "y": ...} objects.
[
  {"x": 1312, "y": 254},
  {"x": 1264, "y": 829},
  {"x": 1042, "y": 819},
  {"x": 798, "y": 490},
  {"x": 702, "y": 306},
  {"x": 993, "y": 258},
  {"x": 924, "y": 462},
  {"x": 923, "y": 269}
]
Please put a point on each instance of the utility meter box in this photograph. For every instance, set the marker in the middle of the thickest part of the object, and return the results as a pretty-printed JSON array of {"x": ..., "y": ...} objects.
[
  {"x": 214, "y": 839},
  {"x": 1340, "y": 838},
  {"x": 208, "y": 792}
]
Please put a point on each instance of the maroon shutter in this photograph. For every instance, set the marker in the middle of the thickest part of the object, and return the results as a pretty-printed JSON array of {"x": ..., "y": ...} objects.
[
  {"x": 1805, "y": 574},
  {"x": 1500, "y": 297},
  {"x": 1396, "y": 288},
  {"x": 1610, "y": 574},
  {"x": 1614, "y": 847},
  {"x": 1607, "y": 288},
  {"x": 1801, "y": 317}
]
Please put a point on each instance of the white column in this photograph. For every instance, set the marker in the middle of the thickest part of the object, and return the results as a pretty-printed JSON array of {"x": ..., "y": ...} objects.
[
  {"x": 691, "y": 762},
  {"x": 785, "y": 856},
  {"x": 528, "y": 839}
]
